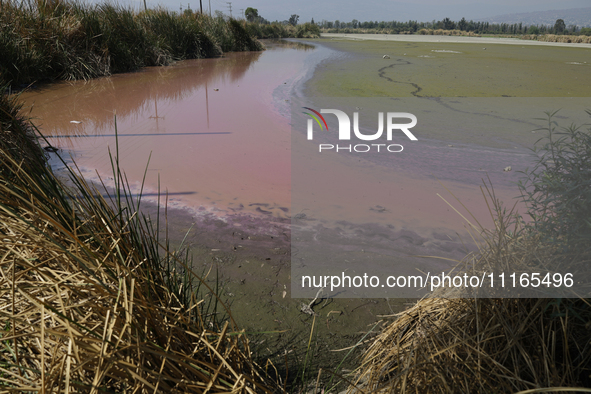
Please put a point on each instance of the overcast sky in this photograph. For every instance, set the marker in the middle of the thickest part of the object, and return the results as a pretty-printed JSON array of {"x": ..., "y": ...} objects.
[{"x": 380, "y": 10}]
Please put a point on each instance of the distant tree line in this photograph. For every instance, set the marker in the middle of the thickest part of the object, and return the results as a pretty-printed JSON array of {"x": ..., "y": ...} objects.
[
  {"x": 462, "y": 25},
  {"x": 281, "y": 28}
]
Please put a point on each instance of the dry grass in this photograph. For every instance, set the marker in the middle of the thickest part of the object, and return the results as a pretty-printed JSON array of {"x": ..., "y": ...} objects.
[
  {"x": 90, "y": 302},
  {"x": 448, "y": 344},
  {"x": 558, "y": 38},
  {"x": 442, "y": 32},
  {"x": 480, "y": 345}
]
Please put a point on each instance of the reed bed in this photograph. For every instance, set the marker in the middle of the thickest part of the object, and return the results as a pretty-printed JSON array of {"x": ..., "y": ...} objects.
[
  {"x": 16, "y": 136},
  {"x": 67, "y": 40},
  {"x": 92, "y": 301},
  {"x": 480, "y": 346}
]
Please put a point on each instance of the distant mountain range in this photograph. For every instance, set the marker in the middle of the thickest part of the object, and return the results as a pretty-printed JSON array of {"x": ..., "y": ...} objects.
[{"x": 574, "y": 16}]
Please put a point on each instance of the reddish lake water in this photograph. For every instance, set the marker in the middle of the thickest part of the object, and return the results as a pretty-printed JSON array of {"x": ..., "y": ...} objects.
[
  {"x": 220, "y": 142},
  {"x": 213, "y": 127}
]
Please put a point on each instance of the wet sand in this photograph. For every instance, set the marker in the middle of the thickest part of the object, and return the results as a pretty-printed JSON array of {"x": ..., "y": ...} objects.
[{"x": 479, "y": 112}]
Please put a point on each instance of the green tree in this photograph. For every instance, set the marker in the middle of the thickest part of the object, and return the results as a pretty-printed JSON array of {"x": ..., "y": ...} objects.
[
  {"x": 293, "y": 20},
  {"x": 533, "y": 29},
  {"x": 448, "y": 24},
  {"x": 463, "y": 24},
  {"x": 559, "y": 26},
  {"x": 251, "y": 14}
]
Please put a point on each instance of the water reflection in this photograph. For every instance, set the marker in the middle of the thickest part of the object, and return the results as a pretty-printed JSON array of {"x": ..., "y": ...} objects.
[
  {"x": 210, "y": 127},
  {"x": 132, "y": 135},
  {"x": 300, "y": 46},
  {"x": 94, "y": 103}
]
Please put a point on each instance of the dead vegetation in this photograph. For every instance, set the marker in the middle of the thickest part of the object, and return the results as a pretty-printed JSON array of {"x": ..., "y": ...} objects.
[
  {"x": 443, "y": 32},
  {"x": 481, "y": 346}
]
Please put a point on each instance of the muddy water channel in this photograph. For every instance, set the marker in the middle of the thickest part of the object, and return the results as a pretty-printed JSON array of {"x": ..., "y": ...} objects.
[
  {"x": 211, "y": 130},
  {"x": 217, "y": 136},
  {"x": 226, "y": 139}
]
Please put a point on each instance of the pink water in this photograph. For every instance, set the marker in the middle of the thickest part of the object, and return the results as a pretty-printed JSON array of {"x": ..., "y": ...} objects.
[
  {"x": 217, "y": 136},
  {"x": 209, "y": 127}
]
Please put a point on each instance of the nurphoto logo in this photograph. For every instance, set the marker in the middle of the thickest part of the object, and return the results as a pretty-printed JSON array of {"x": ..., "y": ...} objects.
[{"x": 344, "y": 132}]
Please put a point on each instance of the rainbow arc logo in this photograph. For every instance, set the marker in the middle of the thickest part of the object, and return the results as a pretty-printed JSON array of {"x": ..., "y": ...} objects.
[
  {"x": 346, "y": 134},
  {"x": 316, "y": 118}
]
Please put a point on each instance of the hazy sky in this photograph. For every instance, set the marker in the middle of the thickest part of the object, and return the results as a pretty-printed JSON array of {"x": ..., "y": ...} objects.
[{"x": 386, "y": 10}]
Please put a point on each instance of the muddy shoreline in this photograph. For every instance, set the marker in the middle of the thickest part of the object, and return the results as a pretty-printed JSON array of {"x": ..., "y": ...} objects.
[{"x": 247, "y": 261}]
